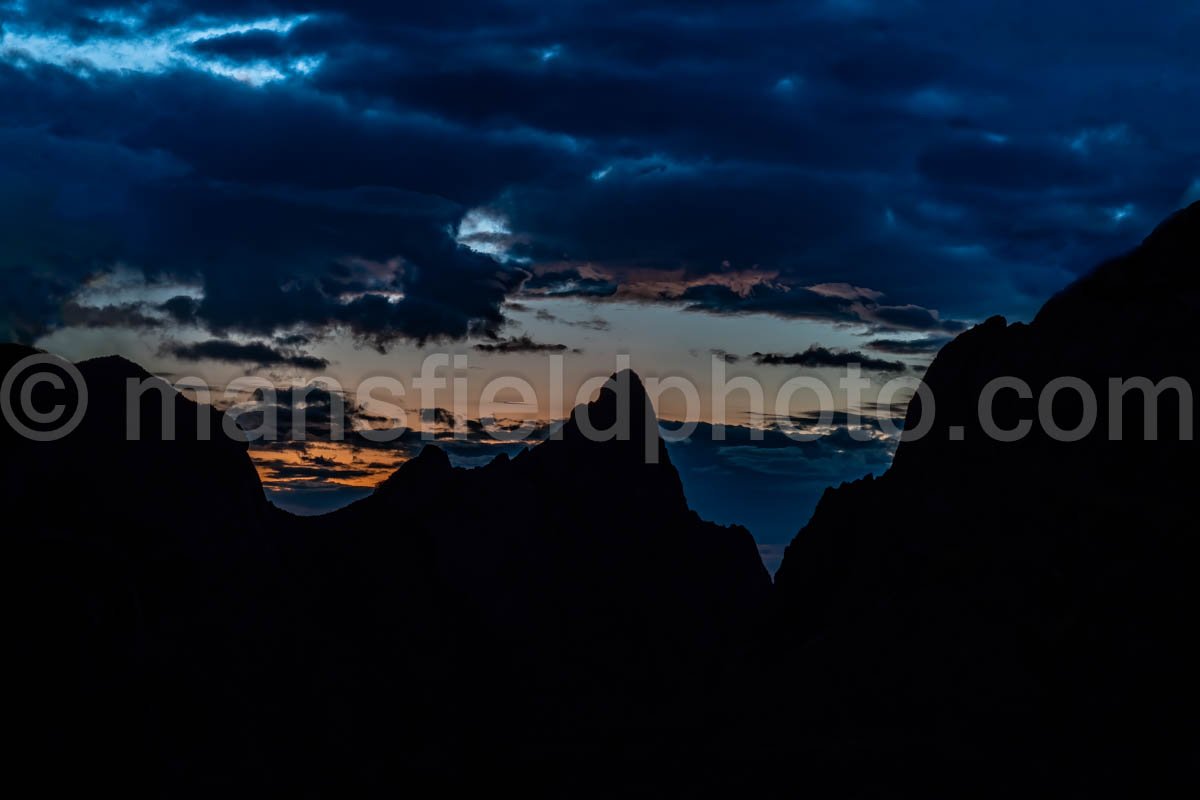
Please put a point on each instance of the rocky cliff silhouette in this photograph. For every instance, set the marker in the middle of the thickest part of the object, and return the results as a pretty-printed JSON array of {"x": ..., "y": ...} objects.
[
  {"x": 586, "y": 615},
  {"x": 538, "y": 616},
  {"x": 985, "y": 617},
  {"x": 148, "y": 595},
  {"x": 1022, "y": 609}
]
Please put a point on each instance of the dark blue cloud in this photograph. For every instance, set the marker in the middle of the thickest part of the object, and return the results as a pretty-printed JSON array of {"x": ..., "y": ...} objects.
[
  {"x": 960, "y": 159},
  {"x": 909, "y": 347},
  {"x": 257, "y": 353},
  {"x": 251, "y": 45},
  {"x": 520, "y": 344},
  {"x": 816, "y": 357}
]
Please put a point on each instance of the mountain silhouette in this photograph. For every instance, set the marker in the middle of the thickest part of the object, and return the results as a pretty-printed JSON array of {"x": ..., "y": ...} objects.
[
  {"x": 525, "y": 615},
  {"x": 611, "y": 611},
  {"x": 1022, "y": 609},
  {"x": 986, "y": 617},
  {"x": 148, "y": 590}
]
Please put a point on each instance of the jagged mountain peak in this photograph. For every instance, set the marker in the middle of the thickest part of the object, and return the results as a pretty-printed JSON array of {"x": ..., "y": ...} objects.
[
  {"x": 430, "y": 464},
  {"x": 431, "y": 457},
  {"x": 621, "y": 413}
]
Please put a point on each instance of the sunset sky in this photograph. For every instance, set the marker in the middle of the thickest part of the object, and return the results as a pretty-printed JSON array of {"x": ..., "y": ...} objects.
[{"x": 292, "y": 189}]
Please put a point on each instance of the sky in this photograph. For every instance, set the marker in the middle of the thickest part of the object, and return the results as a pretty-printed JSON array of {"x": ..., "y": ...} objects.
[{"x": 294, "y": 189}]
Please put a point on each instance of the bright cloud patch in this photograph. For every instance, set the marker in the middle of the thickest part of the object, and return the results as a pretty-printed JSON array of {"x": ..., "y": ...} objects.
[{"x": 122, "y": 46}]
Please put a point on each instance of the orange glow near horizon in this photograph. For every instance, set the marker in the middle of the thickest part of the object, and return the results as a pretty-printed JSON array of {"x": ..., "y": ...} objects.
[{"x": 342, "y": 464}]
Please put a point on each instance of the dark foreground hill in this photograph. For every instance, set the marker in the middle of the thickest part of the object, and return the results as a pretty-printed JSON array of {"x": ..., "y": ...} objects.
[{"x": 987, "y": 617}]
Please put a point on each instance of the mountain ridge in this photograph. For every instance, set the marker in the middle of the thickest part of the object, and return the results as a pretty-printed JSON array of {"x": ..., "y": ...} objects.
[
  {"x": 983, "y": 617},
  {"x": 1016, "y": 565}
]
